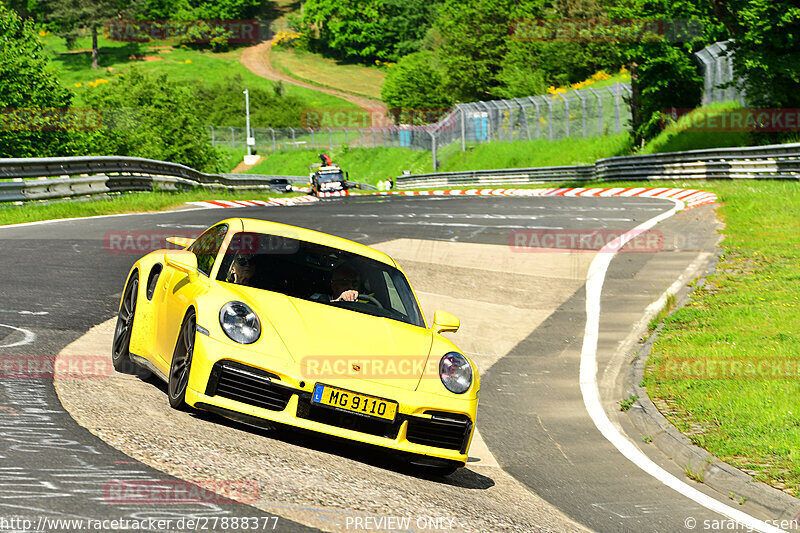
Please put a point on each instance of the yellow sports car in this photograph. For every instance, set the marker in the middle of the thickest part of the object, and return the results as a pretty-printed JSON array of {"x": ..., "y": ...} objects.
[{"x": 259, "y": 321}]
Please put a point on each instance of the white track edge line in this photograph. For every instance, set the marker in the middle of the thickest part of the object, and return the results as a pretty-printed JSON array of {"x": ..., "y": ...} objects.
[{"x": 591, "y": 393}]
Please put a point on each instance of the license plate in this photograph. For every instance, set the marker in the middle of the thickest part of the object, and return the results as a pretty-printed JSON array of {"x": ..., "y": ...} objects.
[{"x": 354, "y": 402}]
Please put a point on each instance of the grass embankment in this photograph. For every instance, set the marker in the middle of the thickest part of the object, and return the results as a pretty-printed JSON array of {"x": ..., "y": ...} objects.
[
  {"x": 180, "y": 63},
  {"x": 313, "y": 68},
  {"x": 124, "y": 203},
  {"x": 725, "y": 367},
  {"x": 368, "y": 165}
]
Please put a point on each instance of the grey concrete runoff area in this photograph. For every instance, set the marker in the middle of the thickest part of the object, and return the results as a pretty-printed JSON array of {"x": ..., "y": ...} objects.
[{"x": 538, "y": 463}]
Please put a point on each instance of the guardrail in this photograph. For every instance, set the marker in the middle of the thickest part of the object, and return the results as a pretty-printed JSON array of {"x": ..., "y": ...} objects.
[
  {"x": 64, "y": 177},
  {"x": 777, "y": 161}
]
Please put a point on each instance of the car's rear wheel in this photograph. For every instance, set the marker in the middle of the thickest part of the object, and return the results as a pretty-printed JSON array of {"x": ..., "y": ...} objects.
[
  {"x": 120, "y": 347},
  {"x": 182, "y": 362}
]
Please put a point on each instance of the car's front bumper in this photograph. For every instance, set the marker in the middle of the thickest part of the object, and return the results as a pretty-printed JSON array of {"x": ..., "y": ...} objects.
[{"x": 283, "y": 395}]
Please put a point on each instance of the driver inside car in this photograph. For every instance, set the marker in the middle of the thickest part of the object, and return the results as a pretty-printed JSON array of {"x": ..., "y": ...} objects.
[{"x": 345, "y": 283}]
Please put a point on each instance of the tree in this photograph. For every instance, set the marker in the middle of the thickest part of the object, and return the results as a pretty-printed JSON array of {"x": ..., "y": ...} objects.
[
  {"x": 368, "y": 30},
  {"x": 74, "y": 16},
  {"x": 146, "y": 115},
  {"x": 414, "y": 89},
  {"x": 29, "y": 92},
  {"x": 766, "y": 37},
  {"x": 222, "y": 104},
  {"x": 474, "y": 41},
  {"x": 664, "y": 73}
]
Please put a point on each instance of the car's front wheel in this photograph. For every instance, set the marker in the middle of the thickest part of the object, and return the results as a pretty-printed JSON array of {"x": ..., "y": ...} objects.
[
  {"x": 182, "y": 362},
  {"x": 120, "y": 347}
]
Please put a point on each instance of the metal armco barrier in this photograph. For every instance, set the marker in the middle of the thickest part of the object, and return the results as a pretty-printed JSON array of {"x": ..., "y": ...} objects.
[
  {"x": 777, "y": 161},
  {"x": 64, "y": 177}
]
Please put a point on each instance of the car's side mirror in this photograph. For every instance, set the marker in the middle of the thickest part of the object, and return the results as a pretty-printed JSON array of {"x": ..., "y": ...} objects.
[
  {"x": 445, "y": 322},
  {"x": 183, "y": 242},
  {"x": 182, "y": 261}
]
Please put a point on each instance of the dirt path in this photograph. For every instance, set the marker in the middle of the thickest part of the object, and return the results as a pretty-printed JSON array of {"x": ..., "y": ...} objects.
[{"x": 257, "y": 60}]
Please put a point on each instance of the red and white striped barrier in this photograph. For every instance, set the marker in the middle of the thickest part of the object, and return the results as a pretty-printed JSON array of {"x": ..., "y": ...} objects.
[
  {"x": 295, "y": 200},
  {"x": 690, "y": 197}
]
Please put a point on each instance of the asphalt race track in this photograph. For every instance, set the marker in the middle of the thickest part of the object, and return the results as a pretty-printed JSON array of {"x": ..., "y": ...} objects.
[{"x": 61, "y": 279}]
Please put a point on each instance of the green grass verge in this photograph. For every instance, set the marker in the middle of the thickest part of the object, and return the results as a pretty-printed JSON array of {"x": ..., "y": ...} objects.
[
  {"x": 365, "y": 165},
  {"x": 123, "y": 203},
  {"x": 748, "y": 312},
  {"x": 179, "y": 63},
  {"x": 369, "y": 165},
  {"x": 313, "y": 68},
  {"x": 681, "y": 135},
  {"x": 537, "y": 153}
]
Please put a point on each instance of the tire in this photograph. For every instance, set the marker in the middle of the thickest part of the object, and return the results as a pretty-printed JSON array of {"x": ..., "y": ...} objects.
[
  {"x": 182, "y": 363},
  {"x": 120, "y": 347}
]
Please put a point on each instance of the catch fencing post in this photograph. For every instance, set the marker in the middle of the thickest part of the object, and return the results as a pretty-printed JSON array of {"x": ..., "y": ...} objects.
[
  {"x": 294, "y": 140},
  {"x": 614, "y": 89},
  {"x": 433, "y": 148},
  {"x": 463, "y": 129},
  {"x": 536, "y": 106},
  {"x": 510, "y": 120},
  {"x": 549, "y": 102},
  {"x": 583, "y": 111},
  {"x": 599, "y": 111},
  {"x": 233, "y": 145},
  {"x": 311, "y": 131}
]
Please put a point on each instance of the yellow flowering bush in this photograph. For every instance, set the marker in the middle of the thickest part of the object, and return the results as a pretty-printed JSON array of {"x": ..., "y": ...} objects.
[{"x": 286, "y": 37}]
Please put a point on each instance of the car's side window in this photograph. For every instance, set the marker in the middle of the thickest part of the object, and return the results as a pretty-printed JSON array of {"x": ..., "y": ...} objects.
[{"x": 207, "y": 246}]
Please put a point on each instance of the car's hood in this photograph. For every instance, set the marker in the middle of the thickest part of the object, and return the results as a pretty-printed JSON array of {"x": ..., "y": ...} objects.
[{"x": 331, "y": 342}]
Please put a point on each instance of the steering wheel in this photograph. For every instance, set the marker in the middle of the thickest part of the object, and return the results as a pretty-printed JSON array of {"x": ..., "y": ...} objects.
[{"x": 369, "y": 299}]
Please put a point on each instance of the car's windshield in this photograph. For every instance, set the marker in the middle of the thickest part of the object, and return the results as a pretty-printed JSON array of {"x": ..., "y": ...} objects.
[
  {"x": 318, "y": 273},
  {"x": 331, "y": 176}
]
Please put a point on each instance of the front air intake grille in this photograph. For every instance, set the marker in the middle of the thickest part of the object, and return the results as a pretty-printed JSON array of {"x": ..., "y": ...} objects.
[
  {"x": 355, "y": 422},
  {"x": 442, "y": 430},
  {"x": 248, "y": 385}
]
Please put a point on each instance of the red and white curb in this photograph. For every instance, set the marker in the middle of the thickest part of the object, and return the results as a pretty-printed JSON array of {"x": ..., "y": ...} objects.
[
  {"x": 295, "y": 200},
  {"x": 690, "y": 197}
]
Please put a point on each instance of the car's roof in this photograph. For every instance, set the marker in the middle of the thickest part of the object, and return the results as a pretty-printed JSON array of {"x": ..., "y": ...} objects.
[{"x": 303, "y": 234}]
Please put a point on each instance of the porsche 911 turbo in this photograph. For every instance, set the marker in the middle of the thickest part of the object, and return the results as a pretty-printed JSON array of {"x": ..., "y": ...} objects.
[{"x": 266, "y": 323}]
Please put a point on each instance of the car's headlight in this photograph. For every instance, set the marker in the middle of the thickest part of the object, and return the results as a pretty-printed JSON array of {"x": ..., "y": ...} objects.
[
  {"x": 239, "y": 322},
  {"x": 455, "y": 372}
]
